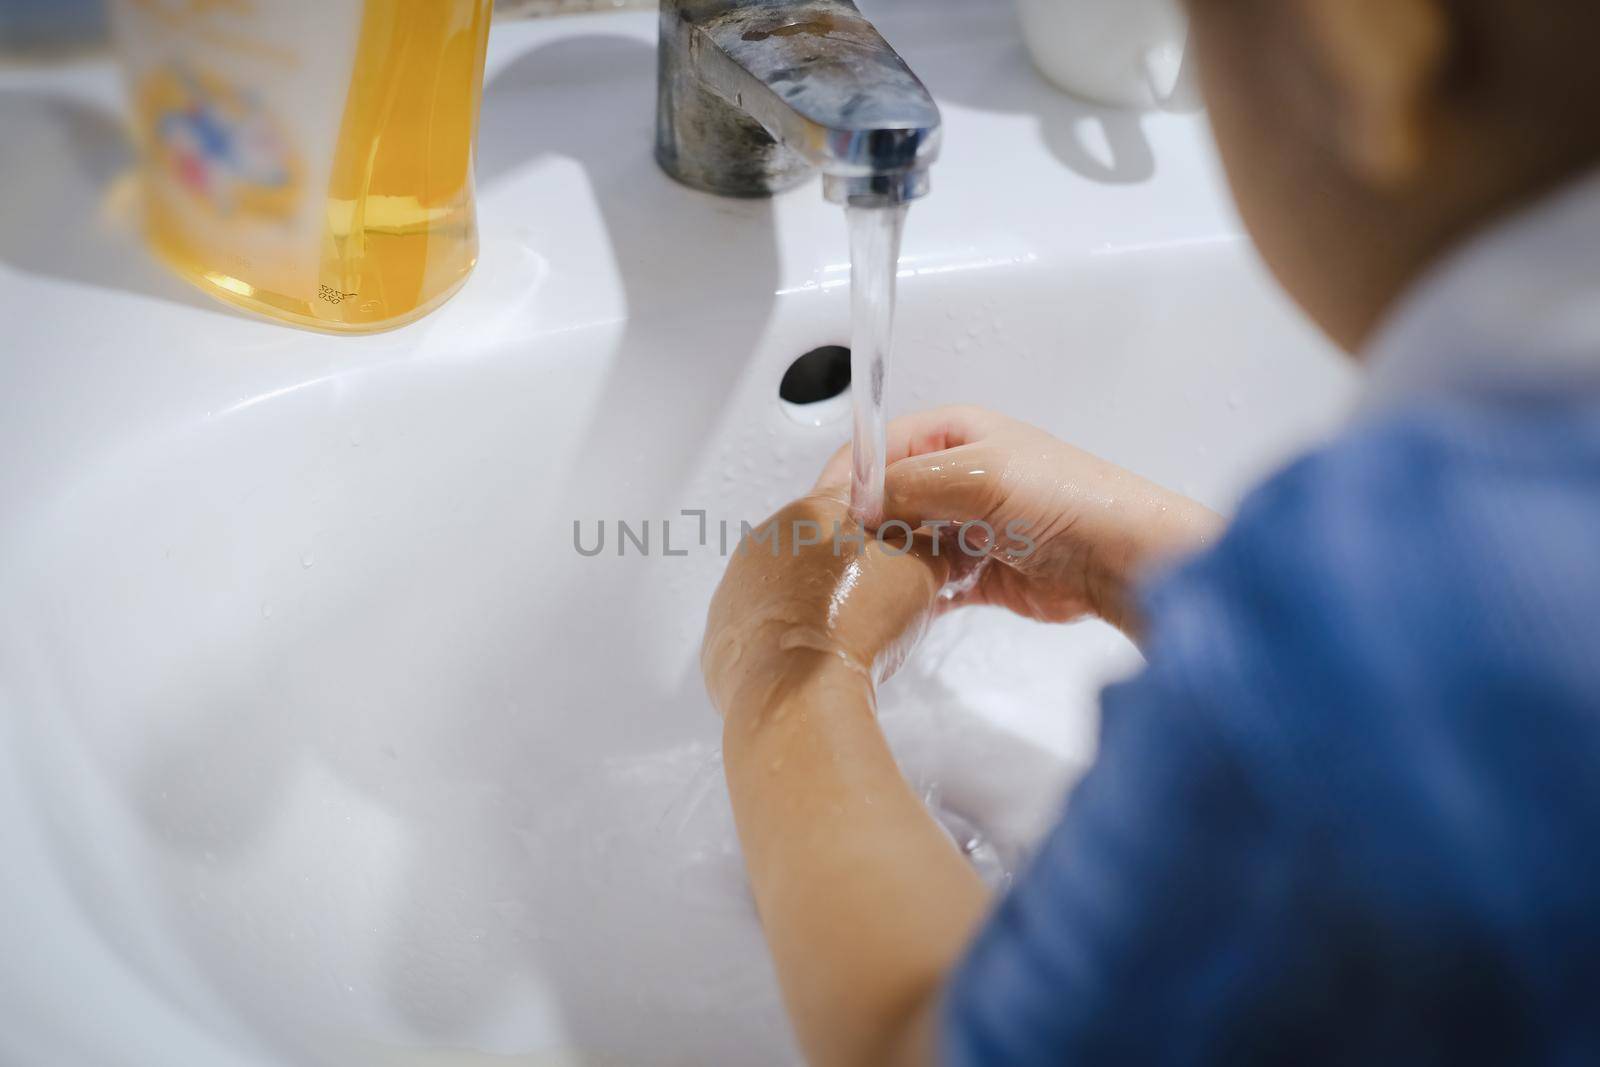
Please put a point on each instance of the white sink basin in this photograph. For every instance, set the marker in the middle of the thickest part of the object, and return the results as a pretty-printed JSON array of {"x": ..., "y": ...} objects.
[{"x": 322, "y": 744}]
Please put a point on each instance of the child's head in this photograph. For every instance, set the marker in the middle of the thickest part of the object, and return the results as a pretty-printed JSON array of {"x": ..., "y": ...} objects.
[{"x": 1363, "y": 137}]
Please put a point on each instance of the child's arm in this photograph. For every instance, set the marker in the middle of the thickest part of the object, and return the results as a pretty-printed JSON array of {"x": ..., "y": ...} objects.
[{"x": 865, "y": 901}]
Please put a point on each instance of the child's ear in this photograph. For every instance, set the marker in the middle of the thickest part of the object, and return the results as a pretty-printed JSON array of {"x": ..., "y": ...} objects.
[{"x": 1386, "y": 60}]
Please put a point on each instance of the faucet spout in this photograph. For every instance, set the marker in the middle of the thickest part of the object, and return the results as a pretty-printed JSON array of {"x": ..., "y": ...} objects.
[{"x": 756, "y": 95}]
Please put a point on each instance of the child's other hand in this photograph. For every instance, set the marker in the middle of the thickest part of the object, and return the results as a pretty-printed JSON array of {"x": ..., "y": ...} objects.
[
  {"x": 1072, "y": 531},
  {"x": 796, "y": 611}
]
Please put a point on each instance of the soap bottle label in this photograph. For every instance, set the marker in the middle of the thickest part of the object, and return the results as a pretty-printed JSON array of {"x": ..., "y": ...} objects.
[{"x": 238, "y": 106}]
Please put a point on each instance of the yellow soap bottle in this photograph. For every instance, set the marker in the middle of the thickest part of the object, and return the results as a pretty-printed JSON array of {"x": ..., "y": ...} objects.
[{"x": 310, "y": 160}]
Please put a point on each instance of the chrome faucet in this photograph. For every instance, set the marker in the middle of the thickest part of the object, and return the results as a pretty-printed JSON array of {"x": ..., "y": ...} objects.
[{"x": 755, "y": 95}]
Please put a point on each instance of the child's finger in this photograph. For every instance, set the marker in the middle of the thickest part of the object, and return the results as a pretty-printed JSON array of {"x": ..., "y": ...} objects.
[
  {"x": 916, "y": 435},
  {"x": 956, "y": 485}
]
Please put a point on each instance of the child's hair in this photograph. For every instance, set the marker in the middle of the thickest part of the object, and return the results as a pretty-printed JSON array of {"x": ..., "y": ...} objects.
[{"x": 1531, "y": 65}]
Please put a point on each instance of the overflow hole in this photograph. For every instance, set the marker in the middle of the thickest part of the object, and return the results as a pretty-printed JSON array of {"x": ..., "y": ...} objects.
[{"x": 820, "y": 375}]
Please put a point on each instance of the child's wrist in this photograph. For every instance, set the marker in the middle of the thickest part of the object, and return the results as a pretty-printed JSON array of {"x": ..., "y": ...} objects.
[
  {"x": 1173, "y": 529},
  {"x": 804, "y": 680}
]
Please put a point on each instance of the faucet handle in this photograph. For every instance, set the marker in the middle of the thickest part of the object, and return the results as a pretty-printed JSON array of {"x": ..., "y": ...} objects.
[{"x": 754, "y": 95}]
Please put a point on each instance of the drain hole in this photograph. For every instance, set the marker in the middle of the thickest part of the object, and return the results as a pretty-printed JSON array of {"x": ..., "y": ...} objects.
[{"x": 821, "y": 374}]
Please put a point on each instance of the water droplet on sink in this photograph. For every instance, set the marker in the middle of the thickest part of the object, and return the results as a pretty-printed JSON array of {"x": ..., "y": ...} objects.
[
  {"x": 266, "y": 611},
  {"x": 307, "y": 560},
  {"x": 355, "y": 438},
  {"x": 1234, "y": 402}
]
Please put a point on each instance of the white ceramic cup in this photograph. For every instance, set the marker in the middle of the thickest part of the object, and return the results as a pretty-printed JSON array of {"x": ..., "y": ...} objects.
[{"x": 1124, "y": 53}]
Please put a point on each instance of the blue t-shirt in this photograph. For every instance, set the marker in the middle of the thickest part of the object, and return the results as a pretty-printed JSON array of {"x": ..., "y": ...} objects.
[{"x": 1351, "y": 811}]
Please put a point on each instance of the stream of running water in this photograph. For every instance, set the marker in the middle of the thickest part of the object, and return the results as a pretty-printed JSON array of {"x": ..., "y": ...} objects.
[{"x": 874, "y": 256}]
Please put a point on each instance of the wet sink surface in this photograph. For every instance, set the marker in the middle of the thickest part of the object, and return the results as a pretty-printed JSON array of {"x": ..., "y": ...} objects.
[{"x": 322, "y": 742}]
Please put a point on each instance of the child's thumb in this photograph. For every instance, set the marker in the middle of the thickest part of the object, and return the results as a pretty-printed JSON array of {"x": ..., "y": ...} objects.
[{"x": 957, "y": 485}]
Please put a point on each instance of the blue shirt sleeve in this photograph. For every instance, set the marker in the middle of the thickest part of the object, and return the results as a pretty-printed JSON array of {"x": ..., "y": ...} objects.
[
  {"x": 1347, "y": 814},
  {"x": 1159, "y": 912},
  {"x": 1144, "y": 914}
]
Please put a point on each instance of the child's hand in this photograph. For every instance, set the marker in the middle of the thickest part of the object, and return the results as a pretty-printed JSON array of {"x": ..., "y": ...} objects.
[
  {"x": 801, "y": 609},
  {"x": 1072, "y": 531}
]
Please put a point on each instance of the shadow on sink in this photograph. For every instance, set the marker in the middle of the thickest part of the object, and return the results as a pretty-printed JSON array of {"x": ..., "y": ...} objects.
[
  {"x": 989, "y": 70},
  {"x": 71, "y": 165},
  {"x": 1069, "y": 127},
  {"x": 699, "y": 273}
]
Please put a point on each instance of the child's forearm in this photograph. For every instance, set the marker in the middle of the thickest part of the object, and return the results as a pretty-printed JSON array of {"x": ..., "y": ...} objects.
[{"x": 865, "y": 901}]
